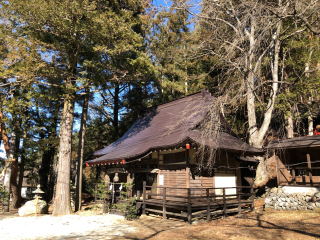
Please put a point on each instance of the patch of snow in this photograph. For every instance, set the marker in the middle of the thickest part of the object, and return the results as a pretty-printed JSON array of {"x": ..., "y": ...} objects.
[{"x": 44, "y": 227}]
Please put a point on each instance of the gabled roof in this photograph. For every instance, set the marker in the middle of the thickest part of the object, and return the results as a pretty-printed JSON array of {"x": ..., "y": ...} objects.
[
  {"x": 297, "y": 142},
  {"x": 169, "y": 125}
]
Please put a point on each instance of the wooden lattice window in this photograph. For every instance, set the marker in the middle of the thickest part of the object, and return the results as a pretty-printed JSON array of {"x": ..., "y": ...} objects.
[{"x": 175, "y": 157}]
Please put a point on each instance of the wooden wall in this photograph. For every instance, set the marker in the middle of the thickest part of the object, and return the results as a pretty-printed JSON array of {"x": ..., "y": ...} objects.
[
  {"x": 177, "y": 175},
  {"x": 174, "y": 178},
  {"x": 207, "y": 182},
  {"x": 195, "y": 182},
  {"x": 180, "y": 178}
]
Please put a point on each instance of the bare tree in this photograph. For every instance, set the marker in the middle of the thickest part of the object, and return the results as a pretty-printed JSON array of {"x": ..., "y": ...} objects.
[{"x": 246, "y": 38}]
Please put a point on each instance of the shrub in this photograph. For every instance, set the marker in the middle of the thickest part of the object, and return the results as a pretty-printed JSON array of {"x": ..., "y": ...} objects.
[
  {"x": 3, "y": 194},
  {"x": 103, "y": 194},
  {"x": 129, "y": 206}
]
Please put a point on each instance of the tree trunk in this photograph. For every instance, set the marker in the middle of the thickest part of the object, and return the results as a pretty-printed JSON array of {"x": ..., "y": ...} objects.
[
  {"x": 22, "y": 162},
  {"x": 47, "y": 160},
  {"x": 62, "y": 203},
  {"x": 45, "y": 165},
  {"x": 44, "y": 172},
  {"x": 309, "y": 103},
  {"x": 252, "y": 119},
  {"x": 52, "y": 175},
  {"x": 52, "y": 151},
  {"x": 289, "y": 119},
  {"x": 289, "y": 124},
  {"x": 80, "y": 151},
  {"x": 4, "y": 136},
  {"x": 310, "y": 123},
  {"x": 16, "y": 197},
  {"x": 262, "y": 176},
  {"x": 116, "y": 111},
  {"x": 7, "y": 176}
]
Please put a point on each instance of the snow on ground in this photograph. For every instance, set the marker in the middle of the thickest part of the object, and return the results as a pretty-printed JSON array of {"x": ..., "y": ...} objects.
[{"x": 75, "y": 226}]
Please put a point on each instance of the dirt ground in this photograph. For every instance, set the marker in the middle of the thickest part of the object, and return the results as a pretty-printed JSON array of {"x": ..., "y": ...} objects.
[
  {"x": 260, "y": 224},
  {"x": 257, "y": 225}
]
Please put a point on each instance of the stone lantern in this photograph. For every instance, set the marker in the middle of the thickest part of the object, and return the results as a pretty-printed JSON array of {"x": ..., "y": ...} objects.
[
  {"x": 37, "y": 193},
  {"x": 35, "y": 205}
]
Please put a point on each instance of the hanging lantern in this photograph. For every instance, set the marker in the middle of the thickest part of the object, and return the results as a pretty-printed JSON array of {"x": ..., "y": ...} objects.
[
  {"x": 187, "y": 146},
  {"x": 123, "y": 161},
  {"x": 87, "y": 164}
]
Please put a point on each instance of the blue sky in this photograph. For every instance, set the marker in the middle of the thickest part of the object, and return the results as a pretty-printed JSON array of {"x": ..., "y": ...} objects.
[{"x": 78, "y": 108}]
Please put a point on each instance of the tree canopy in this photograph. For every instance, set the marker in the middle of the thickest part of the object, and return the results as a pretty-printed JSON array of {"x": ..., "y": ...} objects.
[{"x": 59, "y": 59}]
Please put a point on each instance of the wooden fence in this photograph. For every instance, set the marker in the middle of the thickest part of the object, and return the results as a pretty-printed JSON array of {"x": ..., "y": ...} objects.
[
  {"x": 195, "y": 202},
  {"x": 296, "y": 176}
]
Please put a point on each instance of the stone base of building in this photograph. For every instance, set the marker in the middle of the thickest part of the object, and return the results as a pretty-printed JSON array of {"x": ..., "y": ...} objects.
[{"x": 291, "y": 199}]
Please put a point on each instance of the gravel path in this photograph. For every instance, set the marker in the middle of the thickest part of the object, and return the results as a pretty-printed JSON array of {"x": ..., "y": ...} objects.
[{"x": 64, "y": 227}]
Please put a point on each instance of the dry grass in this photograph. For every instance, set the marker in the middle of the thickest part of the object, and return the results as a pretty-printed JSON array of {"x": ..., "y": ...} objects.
[{"x": 258, "y": 225}]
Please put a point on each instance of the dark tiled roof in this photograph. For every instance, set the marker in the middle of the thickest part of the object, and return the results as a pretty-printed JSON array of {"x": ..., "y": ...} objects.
[
  {"x": 248, "y": 159},
  {"x": 168, "y": 125},
  {"x": 297, "y": 142}
]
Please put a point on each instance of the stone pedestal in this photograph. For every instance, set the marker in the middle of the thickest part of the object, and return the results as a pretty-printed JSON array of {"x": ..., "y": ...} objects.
[{"x": 30, "y": 208}]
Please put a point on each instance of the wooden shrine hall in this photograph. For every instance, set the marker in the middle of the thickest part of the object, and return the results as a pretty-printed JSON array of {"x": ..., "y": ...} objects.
[
  {"x": 160, "y": 153},
  {"x": 298, "y": 162}
]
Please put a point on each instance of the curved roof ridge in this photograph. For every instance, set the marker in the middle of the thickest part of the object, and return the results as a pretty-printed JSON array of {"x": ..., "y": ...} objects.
[{"x": 204, "y": 93}]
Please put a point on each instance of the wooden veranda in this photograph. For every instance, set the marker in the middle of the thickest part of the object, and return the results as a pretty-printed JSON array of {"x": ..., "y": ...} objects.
[
  {"x": 298, "y": 176},
  {"x": 194, "y": 202},
  {"x": 188, "y": 203}
]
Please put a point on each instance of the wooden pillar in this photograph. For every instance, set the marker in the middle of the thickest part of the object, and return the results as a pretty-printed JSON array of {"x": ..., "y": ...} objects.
[
  {"x": 158, "y": 183},
  {"x": 187, "y": 170},
  {"x": 309, "y": 167},
  {"x": 208, "y": 205},
  {"x": 164, "y": 204},
  {"x": 144, "y": 198},
  {"x": 278, "y": 170},
  {"x": 108, "y": 198},
  {"x": 189, "y": 207},
  {"x": 95, "y": 193},
  {"x": 239, "y": 202},
  {"x": 252, "y": 199},
  {"x": 294, "y": 176},
  {"x": 187, "y": 177},
  {"x": 134, "y": 186},
  {"x": 224, "y": 203}
]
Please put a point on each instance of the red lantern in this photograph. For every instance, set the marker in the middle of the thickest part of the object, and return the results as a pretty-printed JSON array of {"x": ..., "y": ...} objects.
[
  {"x": 187, "y": 146},
  {"x": 123, "y": 161},
  {"x": 87, "y": 164}
]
